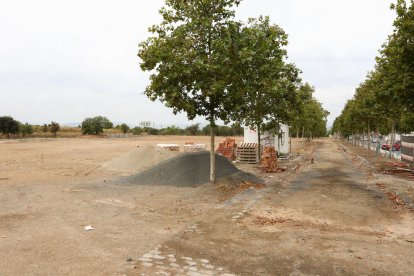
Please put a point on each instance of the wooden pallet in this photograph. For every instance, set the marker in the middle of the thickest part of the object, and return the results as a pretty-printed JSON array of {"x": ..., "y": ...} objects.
[{"x": 247, "y": 153}]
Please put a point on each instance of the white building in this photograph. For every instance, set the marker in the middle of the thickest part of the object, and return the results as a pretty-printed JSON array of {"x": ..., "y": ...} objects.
[
  {"x": 280, "y": 142},
  {"x": 144, "y": 124}
]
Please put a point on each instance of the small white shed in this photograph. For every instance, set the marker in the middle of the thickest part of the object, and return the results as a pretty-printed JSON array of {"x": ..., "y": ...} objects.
[{"x": 280, "y": 142}]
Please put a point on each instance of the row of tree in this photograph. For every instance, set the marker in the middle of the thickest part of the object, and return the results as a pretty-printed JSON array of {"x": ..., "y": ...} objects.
[
  {"x": 97, "y": 125},
  {"x": 384, "y": 102},
  {"x": 193, "y": 130},
  {"x": 205, "y": 63},
  {"x": 8, "y": 126}
]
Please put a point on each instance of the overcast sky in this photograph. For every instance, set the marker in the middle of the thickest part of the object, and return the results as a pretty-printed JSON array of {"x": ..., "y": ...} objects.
[{"x": 67, "y": 60}]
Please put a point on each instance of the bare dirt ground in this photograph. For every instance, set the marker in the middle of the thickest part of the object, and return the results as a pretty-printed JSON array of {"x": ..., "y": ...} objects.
[
  {"x": 324, "y": 218},
  {"x": 391, "y": 176}
]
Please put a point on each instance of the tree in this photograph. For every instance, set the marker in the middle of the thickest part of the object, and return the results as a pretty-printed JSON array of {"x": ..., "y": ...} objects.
[
  {"x": 303, "y": 94},
  {"x": 137, "y": 130},
  {"x": 26, "y": 129},
  {"x": 95, "y": 125},
  {"x": 190, "y": 57},
  {"x": 398, "y": 53},
  {"x": 264, "y": 79},
  {"x": 315, "y": 117},
  {"x": 193, "y": 130},
  {"x": 124, "y": 128},
  {"x": 45, "y": 129},
  {"x": 54, "y": 128},
  {"x": 9, "y": 126},
  {"x": 385, "y": 100},
  {"x": 151, "y": 131},
  {"x": 171, "y": 130}
]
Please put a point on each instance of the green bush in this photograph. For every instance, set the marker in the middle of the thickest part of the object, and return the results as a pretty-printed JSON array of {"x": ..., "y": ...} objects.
[
  {"x": 8, "y": 125},
  {"x": 137, "y": 130},
  {"x": 96, "y": 125},
  {"x": 26, "y": 129},
  {"x": 172, "y": 130}
]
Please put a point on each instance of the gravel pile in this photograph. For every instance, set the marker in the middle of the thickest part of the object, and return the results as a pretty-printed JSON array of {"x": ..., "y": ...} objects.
[
  {"x": 140, "y": 159},
  {"x": 189, "y": 170}
]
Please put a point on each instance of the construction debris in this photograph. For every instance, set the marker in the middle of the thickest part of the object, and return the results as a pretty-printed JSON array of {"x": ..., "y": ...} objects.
[
  {"x": 228, "y": 149},
  {"x": 171, "y": 147},
  {"x": 395, "y": 198},
  {"x": 268, "y": 221},
  {"x": 88, "y": 228},
  {"x": 269, "y": 160},
  {"x": 191, "y": 147}
]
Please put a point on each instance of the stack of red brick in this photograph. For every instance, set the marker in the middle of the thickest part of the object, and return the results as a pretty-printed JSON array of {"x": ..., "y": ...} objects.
[
  {"x": 228, "y": 149},
  {"x": 269, "y": 160}
]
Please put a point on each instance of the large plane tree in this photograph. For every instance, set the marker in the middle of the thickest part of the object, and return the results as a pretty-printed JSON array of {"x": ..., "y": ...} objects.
[{"x": 190, "y": 57}]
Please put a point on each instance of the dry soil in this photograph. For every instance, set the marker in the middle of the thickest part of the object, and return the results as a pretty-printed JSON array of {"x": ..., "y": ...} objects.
[{"x": 324, "y": 218}]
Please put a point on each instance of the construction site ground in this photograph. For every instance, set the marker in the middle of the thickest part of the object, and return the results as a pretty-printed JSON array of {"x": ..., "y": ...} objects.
[{"x": 330, "y": 217}]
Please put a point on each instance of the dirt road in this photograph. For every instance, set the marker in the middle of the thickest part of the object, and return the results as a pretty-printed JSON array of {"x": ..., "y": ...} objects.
[
  {"x": 321, "y": 219},
  {"x": 324, "y": 222}
]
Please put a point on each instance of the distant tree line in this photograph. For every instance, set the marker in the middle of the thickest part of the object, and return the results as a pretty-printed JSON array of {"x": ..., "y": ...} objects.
[
  {"x": 99, "y": 124},
  {"x": 9, "y": 126},
  {"x": 193, "y": 130}
]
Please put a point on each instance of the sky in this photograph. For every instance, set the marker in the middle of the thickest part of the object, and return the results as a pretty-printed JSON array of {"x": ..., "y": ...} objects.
[{"x": 68, "y": 60}]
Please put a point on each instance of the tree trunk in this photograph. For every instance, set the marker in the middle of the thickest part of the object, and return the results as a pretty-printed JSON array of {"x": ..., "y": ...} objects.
[
  {"x": 212, "y": 155},
  {"x": 369, "y": 136},
  {"x": 297, "y": 133},
  {"x": 392, "y": 139},
  {"x": 279, "y": 139},
  {"x": 303, "y": 133},
  {"x": 290, "y": 143},
  {"x": 258, "y": 145},
  {"x": 413, "y": 157}
]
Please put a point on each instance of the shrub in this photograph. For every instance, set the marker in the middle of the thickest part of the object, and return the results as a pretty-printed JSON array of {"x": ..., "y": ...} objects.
[{"x": 95, "y": 125}]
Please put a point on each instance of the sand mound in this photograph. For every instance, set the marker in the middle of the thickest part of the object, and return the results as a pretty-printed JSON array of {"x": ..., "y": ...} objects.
[
  {"x": 140, "y": 159},
  {"x": 189, "y": 170}
]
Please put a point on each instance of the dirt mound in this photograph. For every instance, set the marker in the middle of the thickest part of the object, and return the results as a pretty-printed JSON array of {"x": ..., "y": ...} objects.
[
  {"x": 140, "y": 159},
  {"x": 189, "y": 170}
]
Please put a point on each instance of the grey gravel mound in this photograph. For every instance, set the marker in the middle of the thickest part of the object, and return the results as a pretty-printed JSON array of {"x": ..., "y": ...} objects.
[
  {"x": 189, "y": 170},
  {"x": 140, "y": 159}
]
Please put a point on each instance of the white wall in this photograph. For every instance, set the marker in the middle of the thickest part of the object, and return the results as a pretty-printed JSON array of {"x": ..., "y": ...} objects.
[{"x": 282, "y": 145}]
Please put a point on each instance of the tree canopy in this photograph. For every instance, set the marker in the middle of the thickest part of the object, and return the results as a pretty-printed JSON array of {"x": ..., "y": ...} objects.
[
  {"x": 54, "y": 128},
  {"x": 26, "y": 129},
  {"x": 95, "y": 125},
  {"x": 190, "y": 57},
  {"x": 8, "y": 125}
]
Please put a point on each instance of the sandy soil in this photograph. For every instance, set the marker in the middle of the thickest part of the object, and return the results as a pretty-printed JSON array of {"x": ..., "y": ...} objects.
[{"x": 313, "y": 219}]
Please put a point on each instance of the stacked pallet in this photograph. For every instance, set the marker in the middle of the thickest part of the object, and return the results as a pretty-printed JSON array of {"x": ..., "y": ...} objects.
[
  {"x": 247, "y": 153},
  {"x": 228, "y": 149},
  {"x": 269, "y": 160}
]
